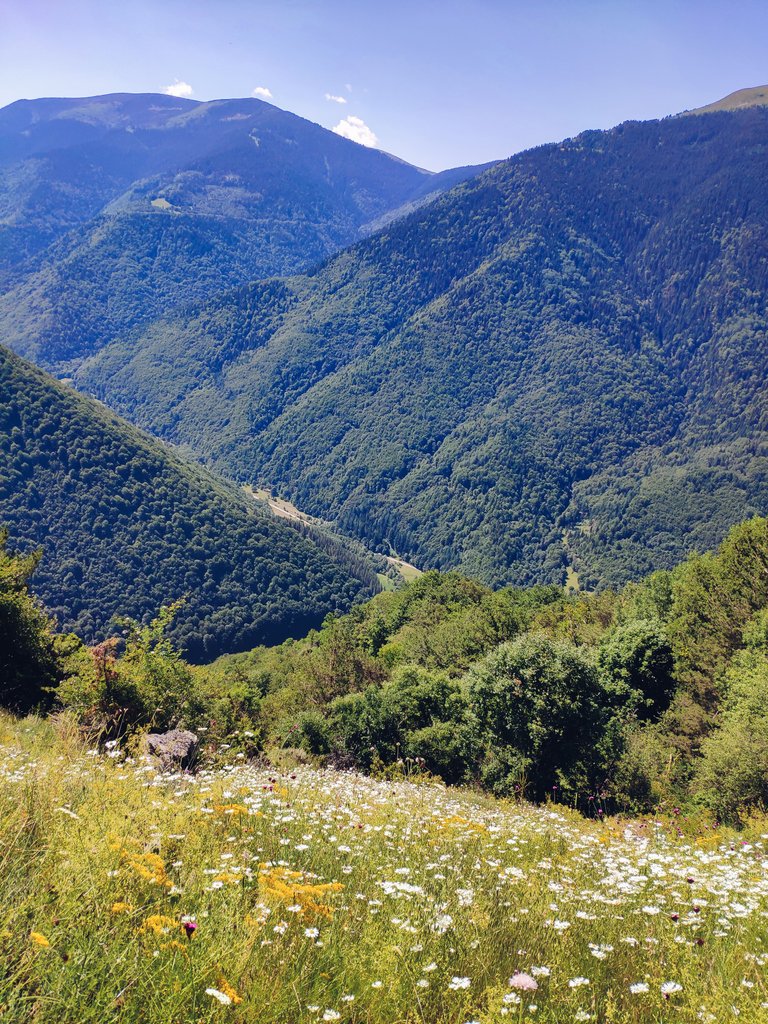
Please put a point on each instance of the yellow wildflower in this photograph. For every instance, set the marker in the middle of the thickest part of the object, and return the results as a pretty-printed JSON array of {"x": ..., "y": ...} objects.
[
  {"x": 227, "y": 989},
  {"x": 121, "y": 908},
  {"x": 39, "y": 938},
  {"x": 226, "y": 877},
  {"x": 159, "y": 924},
  {"x": 233, "y": 810},
  {"x": 148, "y": 866},
  {"x": 289, "y": 887},
  {"x": 457, "y": 821}
]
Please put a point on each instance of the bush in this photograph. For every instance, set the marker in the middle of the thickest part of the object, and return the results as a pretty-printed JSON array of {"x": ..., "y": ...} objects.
[
  {"x": 444, "y": 748},
  {"x": 641, "y": 779},
  {"x": 636, "y": 664},
  {"x": 377, "y": 725},
  {"x": 313, "y": 733},
  {"x": 148, "y": 686},
  {"x": 537, "y": 703},
  {"x": 29, "y": 662}
]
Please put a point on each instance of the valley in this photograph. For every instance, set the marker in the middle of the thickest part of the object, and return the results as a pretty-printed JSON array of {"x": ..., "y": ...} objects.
[
  {"x": 285, "y": 510},
  {"x": 572, "y": 336}
]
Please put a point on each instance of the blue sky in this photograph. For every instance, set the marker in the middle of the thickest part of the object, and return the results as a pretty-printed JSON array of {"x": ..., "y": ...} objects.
[{"x": 437, "y": 82}]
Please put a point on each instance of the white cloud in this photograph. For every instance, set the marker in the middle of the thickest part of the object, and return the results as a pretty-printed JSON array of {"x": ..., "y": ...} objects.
[
  {"x": 261, "y": 92},
  {"x": 335, "y": 99},
  {"x": 357, "y": 130},
  {"x": 183, "y": 89}
]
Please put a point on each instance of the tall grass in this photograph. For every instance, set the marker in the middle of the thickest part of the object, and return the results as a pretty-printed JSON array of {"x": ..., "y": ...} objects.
[{"x": 241, "y": 895}]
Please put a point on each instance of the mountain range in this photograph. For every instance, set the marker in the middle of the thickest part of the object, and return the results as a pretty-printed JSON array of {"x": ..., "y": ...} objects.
[
  {"x": 554, "y": 369},
  {"x": 116, "y": 209},
  {"x": 559, "y": 364}
]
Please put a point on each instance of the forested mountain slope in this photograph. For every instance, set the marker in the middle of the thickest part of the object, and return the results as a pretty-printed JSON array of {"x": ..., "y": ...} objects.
[
  {"x": 115, "y": 209},
  {"x": 127, "y": 526},
  {"x": 571, "y": 344}
]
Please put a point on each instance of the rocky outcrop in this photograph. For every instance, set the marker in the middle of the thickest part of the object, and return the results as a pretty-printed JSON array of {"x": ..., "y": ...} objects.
[{"x": 176, "y": 748}]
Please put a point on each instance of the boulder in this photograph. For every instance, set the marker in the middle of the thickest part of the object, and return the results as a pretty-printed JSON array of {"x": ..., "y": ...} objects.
[{"x": 173, "y": 749}]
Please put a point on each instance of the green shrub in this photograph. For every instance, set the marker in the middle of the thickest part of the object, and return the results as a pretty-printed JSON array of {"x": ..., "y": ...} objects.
[
  {"x": 148, "y": 686},
  {"x": 313, "y": 733},
  {"x": 636, "y": 664},
  {"x": 29, "y": 661},
  {"x": 444, "y": 748},
  {"x": 642, "y": 777},
  {"x": 537, "y": 703},
  {"x": 378, "y": 723}
]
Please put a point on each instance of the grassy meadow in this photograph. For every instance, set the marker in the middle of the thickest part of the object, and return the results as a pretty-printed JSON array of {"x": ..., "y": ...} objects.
[{"x": 242, "y": 894}]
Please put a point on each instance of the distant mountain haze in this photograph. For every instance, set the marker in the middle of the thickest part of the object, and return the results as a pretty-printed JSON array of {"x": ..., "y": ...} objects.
[
  {"x": 115, "y": 210},
  {"x": 558, "y": 364}
]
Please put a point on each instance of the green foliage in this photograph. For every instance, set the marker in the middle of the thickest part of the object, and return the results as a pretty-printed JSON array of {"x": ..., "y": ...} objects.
[
  {"x": 643, "y": 776},
  {"x": 537, "y": 703},
  {"x": 710, "y": 741},
  {"x": 636, "y": 664},
  {"x": 733, "y": 775},
  {"x": 392, "y": 680},
  {"x": 654, "y": 694},
  {"x": 651, "y": 695},
  {"x": 386, "y": 723},
  {"x": 714, "y": 596},
  {"x": 147, "y": 685},
  {"x": 153, "y": 681},
  {"x": 446, "y": 749},
  {"x": 733, "y": 772},
  {"x": 127, "y": 525},
  {"x": 29, "y": 662}
]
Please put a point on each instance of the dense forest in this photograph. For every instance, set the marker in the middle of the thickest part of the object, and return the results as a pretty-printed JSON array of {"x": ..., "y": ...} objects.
[
  {"x": 635, "y": 699},
  {"x": 125, "y": 525},
  {"x": 115, "y": 210},
  {"x": 558, "y": 363}
]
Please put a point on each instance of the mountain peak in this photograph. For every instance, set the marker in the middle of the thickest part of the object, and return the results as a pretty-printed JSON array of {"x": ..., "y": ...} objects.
[
  {"x": 757, "y": 96},
  {"x": 206, "y": 195}
]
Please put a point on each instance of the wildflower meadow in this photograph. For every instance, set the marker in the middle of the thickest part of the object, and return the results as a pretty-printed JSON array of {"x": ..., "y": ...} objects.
[{"x": 243, "y": 894}]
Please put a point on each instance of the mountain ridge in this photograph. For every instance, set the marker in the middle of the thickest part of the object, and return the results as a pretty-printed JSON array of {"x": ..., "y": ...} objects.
[
  {"x": 127, "y": 525},
  {"x": 115, "y": 209},
  {"x": 740, "y": 99}
]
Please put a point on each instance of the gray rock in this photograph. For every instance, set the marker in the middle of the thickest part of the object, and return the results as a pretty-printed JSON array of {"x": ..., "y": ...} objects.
[{"x": 174, "y": 749}]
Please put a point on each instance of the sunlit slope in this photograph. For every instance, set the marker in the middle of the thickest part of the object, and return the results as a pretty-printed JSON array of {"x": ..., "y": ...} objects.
[
  {"x": 324, "y": 896},
  {"x": 739, "y": 100}
]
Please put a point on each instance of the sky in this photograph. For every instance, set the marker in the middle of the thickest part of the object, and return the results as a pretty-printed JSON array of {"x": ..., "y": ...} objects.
[{"x": 440, "y": 83}]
